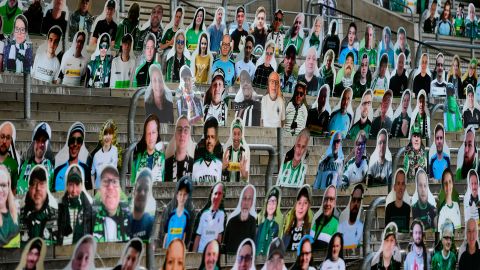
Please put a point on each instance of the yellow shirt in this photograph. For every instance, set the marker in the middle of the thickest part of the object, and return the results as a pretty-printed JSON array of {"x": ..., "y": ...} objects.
[{"x": 202, "y": 66}]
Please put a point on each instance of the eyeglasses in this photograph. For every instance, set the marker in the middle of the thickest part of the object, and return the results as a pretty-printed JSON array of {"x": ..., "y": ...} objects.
[
  {"x": 274, "y": 82},
  {"x": 180, "y": 42},
  {"x": 114, "y": 182},
  {"x": 269, "y": 53},
  {"x": 184, "y": 130},
  {"x": 73, "y": 140},
  {"x": 225, "y": 44},
  {"x": 361, "y": 145},
  {"x": 20, "y": 30},
  {"x": 104, "y": 46},
  {"x": 278, "y": 19},
  {"x": 246, "y": 258},
  {"x": 5, "y": 137}
]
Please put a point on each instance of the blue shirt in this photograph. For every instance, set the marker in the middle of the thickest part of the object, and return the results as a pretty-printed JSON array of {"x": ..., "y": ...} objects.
[
  {"x": 343, "y": 55},
  {"x": 445, "y": 28},
  {"x": 339, "y": 122},
  {"x": 215, "y": 37},
  {"x": 228, "y": 68},
  {"x": 176, "y": 226},
  {"x": 437, "y": 166},
  {"x": 60, "y": 175},
  {"x": 140, "y": 228}
]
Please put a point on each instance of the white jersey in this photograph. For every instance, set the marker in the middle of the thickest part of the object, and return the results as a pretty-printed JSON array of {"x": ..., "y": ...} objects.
[
  {"x": 210, "y": 226},
  {"x": 45, "y": 68},
  {"x": 122, "y": 73},
  {"x": 451, "y": 212},
  {"x": 290, "y": 176},
  {"x": 329, "y": 265},
  {"x": 356, "y": 174},
  {"x": 207, "y": 173},
  {"x": 249, "y": 67},
  {"x": 273, "y": 112},
  {"x": 352, "y": 234},
  {"x": 100, "y": 160},
  {"x": 73, "y": 69}
]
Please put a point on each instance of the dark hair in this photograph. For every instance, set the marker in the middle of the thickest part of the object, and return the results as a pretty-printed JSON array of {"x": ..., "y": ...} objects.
[
  {"x": 55, "y": 30},
  {"x": 38, "y": 173},
  {"x": 439, "y": 127},
  {"x": 352, "y": 24},
  {"x": 36, "y": 244},
  {"x": 209, "y": 94},
  {"x": 194, "y": 24},
  {"x": 290, "y": 50},
  {"x": 210, "y": 123},
  {"x": 330, "y": 246},
  {"x": 422, "y": 244},
  {"x": 358, "y": 187},
  {"x": 357, "y": 76},
  {"x": 82, "y": 33},
  {"x": 136, "y": 244},
  {"x": 384, "y": 60},
  {"x": 23, "y": 18},
  {"x": 142, "y": 144},
  {"x": 334, "y": 27},
  {"x": 445, "y": 172}
]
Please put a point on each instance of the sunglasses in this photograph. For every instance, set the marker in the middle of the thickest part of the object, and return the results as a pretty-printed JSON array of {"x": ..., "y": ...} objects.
[
  {"x": 103, "y": 46},
  {"x": 278, "y": 19},
  {"x": 73, "y": 140},
  {"x": 269, "y": 53},
  {"x": 180, "y": 42},
  {"x": 337, "y": 141},
  {"x": 300, "y": 94}
]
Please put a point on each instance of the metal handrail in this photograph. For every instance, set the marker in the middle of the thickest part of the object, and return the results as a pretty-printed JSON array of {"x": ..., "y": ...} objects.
[
  {"x": 432, "y": 43},
  {"x": 404, "y": 6},
  {"x": 367, "y": 261},
  {"x": 131, "y": 114},
  {"x": 369, "y": 217}
]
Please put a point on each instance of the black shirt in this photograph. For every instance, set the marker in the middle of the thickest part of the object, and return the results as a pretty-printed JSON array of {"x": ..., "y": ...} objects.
[
  {"x": 401, "y": 216},
  {"x": 237, "y": 230},
  {"x": 377, "y": 125},
  {"x": 420, "y": 83},
  {"x": 429, "y": 25},
  {"x": 184, "y": 167},
  {"x": 317, "y": 123},
  {"x": 398, "y": 83},
  {"x": 236, "y": 35},
  {"x": 469, "y": 261},
  {"x": 312, "y": 85},
  {"x": 471, "y": 118},
  {"x": 333, "y": 43},
  {"x": 104, "y": 27},
  {"x": 49, "y": 21}
]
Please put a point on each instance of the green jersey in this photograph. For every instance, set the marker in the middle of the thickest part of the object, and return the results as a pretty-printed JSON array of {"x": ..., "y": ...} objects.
[
  {"x": 441, "y": 263},
  {"x": 22, "y": 183},
  {"x": 12, "y": 167},
  {"x": 290, "y": 176}
]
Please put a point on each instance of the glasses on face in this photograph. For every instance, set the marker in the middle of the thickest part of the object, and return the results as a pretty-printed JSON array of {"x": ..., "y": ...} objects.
[
  {"x": 360, "y": 145},
  {"x": 180, "y": 42},
  {"x": 269, "y": 53},
  {"x": 5, "y": 137},
  {"x": 109, "y": 181},
  {"x": 20, "y": 30},
  {"x": 104, "y": 46},
  {"x": 73, "y": 140},
  {"x": 246, "y": 258},
  {"x": 274, "y": 82},
  {"x": 184, "y": 130},
  {"x": 225, "y": 44},
  {"x": 278, "y": 19}
]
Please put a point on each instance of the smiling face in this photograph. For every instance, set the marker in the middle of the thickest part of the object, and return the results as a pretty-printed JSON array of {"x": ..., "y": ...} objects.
[
  {"x": 245, "y": 257},
  {"x": 300, "y": 148},
  {"x": 140, "y": 194},
  {"x": 82, "y": 256},
  {"x": 182, "y": 134},
  {"x": 388, "y": 246},
  {"x": 149, "y": 50},
  {"x": 203, "y": 45},
  {"x": 399, "y": 186},
  {"x": 305, "y": 255},
  {"x": 211, "y": 255},
  {"x": 79, "y": 43},
  {"x": 337, "y": 143},
  {"x": 219, "y": 16},
  {"x": 301, "y": 208},
  {"x": 318, "y": 27},
  {"x": 472, "y": 234},
  {"x": 175, "y": 259},
  {"x": 337, "y": 246},
  {"x": 32, "y": 258},
  {"x": 73, "y": 189},
  {"x": 439, "y": 140},
  {"x": 180, "y": 44},
  {"x": 300, "y": 96},
  {"x": 178, "y": 17},
  {"x": 273, "y": 84},
  {"x": 39, "y": 147},
  {"x": 416, "y": 142},
  {"x": 237, "y": 137},
  {"x": 157, "y": 84},
  {"x": 199, "y": 18},
  {"x": 297, "y": 25},
  {"x": 473, "y": 181},
  {"x": 151, "y": 135},
  {"x": 417, "y": 234},
  {"x": 6, "y": 138},
  {"x": 400, "y": 64},
  {"x": 74, "y": 144},
  {"x": 20, "y": 31},
  {"x": 37, "y": 191},
  {"x": 269, "y": 55},
  {"x": 447, "y": 182},
  {"x": 310, "y": 61},
  {"x": 360, "y": 146},
  {"x": 217, "y": 196},
  {"x": 364, "y": 68},
  {"x": 130, "y": 259},
  {"x": 271, "y": 206},
  {"x": 346, "y": 98},
  {"x": 351, "y": 35},
  {"x": 4, "y": 191},
  {"x": 289, "y": 63},
  {"x": 424, "y": 63},
  {"x": 225, "y": 49},
  {"x": 422, "y": 187},
  {"x": 247, "y": 200},
  {"x": 405, "y": 102},
  {"x": 366, "y": 104},
  {"x": 469, "y": 155},
  {"x": 329, "y": 201},
  {"x": 217, "y": 90},
  {"x": 110, "y": 192},
  {"x": 211, "y": 139}
]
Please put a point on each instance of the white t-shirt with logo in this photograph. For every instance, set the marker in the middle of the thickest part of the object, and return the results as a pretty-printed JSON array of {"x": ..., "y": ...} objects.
[
  {"x": 207, "y": 173},
  {"x": 210, "y": 226},
  {"x": 73, "y": 69},
  {"x": 273, "y": 111},
  {"x": 45, "y": 68}
]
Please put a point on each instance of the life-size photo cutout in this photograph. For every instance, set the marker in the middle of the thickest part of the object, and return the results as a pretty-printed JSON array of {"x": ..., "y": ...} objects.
[
  {"x": 74, "y": 152},
  {"x": 381, "y": 77},
  {"x": 383, "y": 116},
  {"x": 332, "y": 41},
  {"x": 327, "y": 69},
  {"x": 401, "y": 46},
  {"x": 123, "y": 65},
  {"x": 330, "y": 167},
  {"x": 179, "y": 152},
  {"x": 215, "y": 101},
  {"x": 294, "y": 166},
  {"x": 448, "y": 202},
  {"x": 71, "y": 227},
  {"x": 175, "y": 256},
  {"x": 421, "y": 116},
  {"x": 471, "y": 200},
  {"x": 298, "y": 220},
  {"x": 385, "y": 46},
  {"x": 8, "y": 151},
  {"x": 295, "y": 34},
  {"x": 467, "y": 156},
  {"x": 334, "y": 258},
  {"x": 270, "y": 220},
  {"x": 350, "y": 221},
  {"x": 178, "y": 216},
  {"x": 178, "y": 53},
  {"x": 246, "y": 104},
  {"x": 110, "y": 209},
  {"x": 423, "y": 202},
  {"x": 319, "y": 113},
  {"x": 356, "y": 168},
  {"x": 296, "y": 112},
  {"x": 471, "y": 109},
  {"x": 211, "y": 256},
  {"x": 210, "y": 221},
  {"x": 9, "y": 222},
  {"x": 236, "y": 157},
  {"x": 147, "y": 59},
  {"x": 389, "y": 248},
  {"x": 471, "y": 240},
  {"x": 167, "y": 42},
  {"x": 39, "y": 213},
  {"x": 325, "y": 220},
  {"x": 439, "y": 154},
  {"x": 380, "y": 163},
  {"x": 106, "y": 22},
  {"x": 446, "y": 246},
  {"x": 273, "y": 104},
  {"x": 33, "y": 255},
  {"x": 207, "y": 166},
  {"x": 18, "y": 45},
  {"x": 309, "y": 72},
  {"x": 415, "y": 156},
  {"x": 422, "y": 77},
  {"x": 315, "y": 38},
  {"x": 242, "y": 222},
  {"x": 83, "y": 256},
  {"x": 349, "y": 44},
  {"x": 74, "y": 61},
  {"x": 100, "y": 65},
  {"x": 202, "y": 59},
  {"x": 46, "y": 65},
  {"x": 344, "y": 76},
  {"x": 399, "y": 76},
  {"x": 143, "y": 207},
  {"x": 150, "y": 144},
  {"x": 362, "y": 79},
  {"x": 245, "y": 256},
  {"x": 397, "y": 203},
  {"x": 39, "y": 152},
  {"x": 188, "y": 104},
  {"x": 342, "y": 115},
  {"x": 368, "y": 46},
  {"x": 158, "y": 98},
  {"x": 402, "y": 116},
  {"x": 195, "y": 29},
  {"x": 265, "y": 65},
  {"x": 363, "y": 116},
  {"x": 131, "y": 256},
  {"x": 452, "y": 117}
]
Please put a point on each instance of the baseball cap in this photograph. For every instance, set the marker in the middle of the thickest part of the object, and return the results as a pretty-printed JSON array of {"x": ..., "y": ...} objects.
[
  {"x": 240, "y": 9},
  {"x": 276, "y": 247},
  {"x": 111, "y": 4},
  {"x": 109, "y": 169},
  {"x": 43, "y": 129},
  {"x": 74, "y": 175},
  {"x": 218, "y": 72},
  {"x": 390, "y": 230}
]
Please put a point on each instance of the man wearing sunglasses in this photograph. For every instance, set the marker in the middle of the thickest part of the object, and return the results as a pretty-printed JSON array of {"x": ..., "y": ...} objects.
[
  {"x": 98, "y": 69},
  {"x": 276, "y": 32},
  {"x": 74, "y": 144},
  {"x": 351, "y": 225},
  {"x": 36, "y": 155}
]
